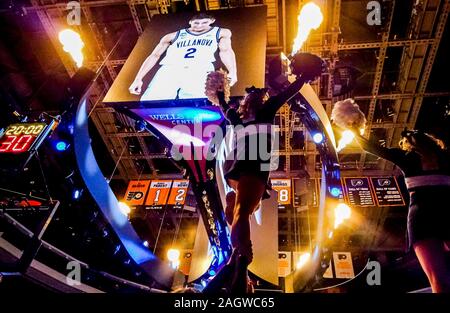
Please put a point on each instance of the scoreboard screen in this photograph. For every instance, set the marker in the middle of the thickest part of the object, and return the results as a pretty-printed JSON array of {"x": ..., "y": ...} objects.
[{"x": 20, "y": 137}]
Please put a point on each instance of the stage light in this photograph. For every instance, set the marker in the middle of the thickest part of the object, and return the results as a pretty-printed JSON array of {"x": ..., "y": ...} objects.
[
  {"x": 72, "y": 44},
  {"x": 139, "y": 126},
  {"x": 145, "y": 243},
  {"x": 71, "y": 129},
  {"x": 77, "y": 193},
  {"x": 335, "y": 192},
  {"x": 61, "y": 145},
  {"x": 318, "y": 138},
  {"x": 212, "y": 272},
  {"x": 342, "y": 212},
  {"x": 173, "y": 254},
  {"x": 303, "y": 260},
  {"x": 124, "y": 208}
]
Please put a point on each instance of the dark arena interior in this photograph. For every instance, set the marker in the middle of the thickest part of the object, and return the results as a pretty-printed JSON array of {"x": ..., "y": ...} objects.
[{"x": 117, "y": 169}]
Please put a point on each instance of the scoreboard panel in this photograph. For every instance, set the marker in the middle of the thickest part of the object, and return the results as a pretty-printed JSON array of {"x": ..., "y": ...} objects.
[{"x": 21, "y": 137}]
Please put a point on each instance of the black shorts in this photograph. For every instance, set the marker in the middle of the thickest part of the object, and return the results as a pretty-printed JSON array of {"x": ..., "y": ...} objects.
[
  {"x": 253, "y": 168},
  {"x": 429, "y": 214}
]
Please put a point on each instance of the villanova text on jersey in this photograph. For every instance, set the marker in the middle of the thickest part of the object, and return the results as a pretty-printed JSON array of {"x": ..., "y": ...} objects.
[{"x": 195, "y": 42}]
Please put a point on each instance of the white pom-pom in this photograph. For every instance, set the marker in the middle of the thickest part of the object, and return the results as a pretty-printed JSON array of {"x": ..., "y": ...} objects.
[
  {"x": 217, "y": 81},
  {"x": 347, "y": 115}
]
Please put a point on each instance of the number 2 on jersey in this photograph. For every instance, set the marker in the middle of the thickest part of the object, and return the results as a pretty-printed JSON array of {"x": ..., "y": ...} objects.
[{"x": 189, "y": 53}]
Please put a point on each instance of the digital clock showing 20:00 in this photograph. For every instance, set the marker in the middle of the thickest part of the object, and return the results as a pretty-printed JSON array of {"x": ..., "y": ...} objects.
[{"x": 19, "y": 138}]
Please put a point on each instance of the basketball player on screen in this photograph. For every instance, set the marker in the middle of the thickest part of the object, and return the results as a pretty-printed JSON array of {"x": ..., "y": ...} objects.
[{"x": 189, "y": 58}]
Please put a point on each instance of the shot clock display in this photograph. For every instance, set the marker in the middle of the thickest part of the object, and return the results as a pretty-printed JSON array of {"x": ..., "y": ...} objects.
[{"x": 21, "y": 137}]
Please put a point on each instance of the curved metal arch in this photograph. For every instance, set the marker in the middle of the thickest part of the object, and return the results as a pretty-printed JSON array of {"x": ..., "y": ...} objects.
[
  {"x": 109, "y": 205},
  {"x": 316, "y": 120}
]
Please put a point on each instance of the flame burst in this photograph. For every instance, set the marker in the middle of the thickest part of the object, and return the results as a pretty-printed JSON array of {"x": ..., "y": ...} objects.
[
  {"x": 72, "y": 44},
  {"x": 346, "y": 138},
  {"x": 341, "y": 213},
  {"x": 310, "y": 18}
]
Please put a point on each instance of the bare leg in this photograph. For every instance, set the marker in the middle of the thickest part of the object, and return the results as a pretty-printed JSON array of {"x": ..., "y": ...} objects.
[
  {"x": 249, "y": 192},
  {"x": 431, "y": 255},
  {"x": 229, "y": 210},
  {"x": 230, "y": 201}
]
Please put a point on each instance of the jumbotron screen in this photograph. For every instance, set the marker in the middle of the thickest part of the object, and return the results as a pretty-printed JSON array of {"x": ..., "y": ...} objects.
[{"x": 173, "y": 56}]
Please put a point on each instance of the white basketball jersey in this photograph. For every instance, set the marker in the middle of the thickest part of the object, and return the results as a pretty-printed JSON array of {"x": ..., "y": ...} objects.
[{"x": 189, "y": 49}]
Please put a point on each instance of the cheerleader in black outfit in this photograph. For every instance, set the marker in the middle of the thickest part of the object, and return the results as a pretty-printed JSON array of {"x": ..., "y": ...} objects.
[
  {"x": 425, "y": 164},
  {"x": 249, "y": 173}
]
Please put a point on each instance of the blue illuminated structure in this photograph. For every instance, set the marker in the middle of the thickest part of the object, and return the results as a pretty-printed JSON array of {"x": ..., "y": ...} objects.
[
  {"x": 315, "y": 119},
  {"x": 312, "y": 114}
]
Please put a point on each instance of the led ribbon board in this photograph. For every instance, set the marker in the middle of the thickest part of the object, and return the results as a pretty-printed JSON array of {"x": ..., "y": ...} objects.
[{"x": 186, "y": 128}]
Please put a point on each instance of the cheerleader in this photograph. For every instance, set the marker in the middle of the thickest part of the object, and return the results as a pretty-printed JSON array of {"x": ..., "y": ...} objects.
[
  {"x": 425, "y": 163},
  {"x": 248, "y": 175}
]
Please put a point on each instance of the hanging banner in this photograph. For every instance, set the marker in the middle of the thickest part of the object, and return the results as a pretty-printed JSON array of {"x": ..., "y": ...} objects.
[
  {"x": 158, "y": 194},
  {"x": 358, "y": 192},
  {"x": 136, "y": 192},
  {"x": 387, "y": 192},
  {"x": 284, "y": 190},
  {"x": 284, "y": 263},
  {"x": 178, "y": 193},
  {"x": 343, "y": 265}
]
